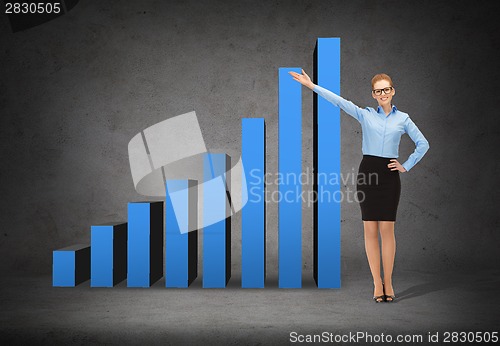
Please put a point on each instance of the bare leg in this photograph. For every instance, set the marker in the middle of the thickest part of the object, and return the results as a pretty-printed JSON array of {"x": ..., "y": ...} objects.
[
  {"x": 388, "y": 253},
  {"x": 373, "y": 255}
]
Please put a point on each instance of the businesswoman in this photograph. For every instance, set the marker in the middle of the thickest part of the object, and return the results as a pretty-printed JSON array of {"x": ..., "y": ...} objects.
[{"x": 378, "y": 184}]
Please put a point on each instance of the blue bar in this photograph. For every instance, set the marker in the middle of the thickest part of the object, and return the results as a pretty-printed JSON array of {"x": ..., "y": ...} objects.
[
  {"x": 108, "y": 254},
  {"x": 145, "y": 243},
  {"x": 327, "y": 164},
  {"x": 290, "y": 189},
  {"x": 253, "y": 215},
  {"x": 71, "y": 265},
  {"x": 181, "y": 244},
  {"x": 217, "y": 236}
]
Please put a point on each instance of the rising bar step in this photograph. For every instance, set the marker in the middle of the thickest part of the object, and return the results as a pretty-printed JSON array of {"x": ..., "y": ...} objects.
[
  {"x": 253, "y": 214},
  {"x": 290, "y": 189},
  {"x": 326, "y": 160},
  {"x": 108, "y": 254},
  {"x": 71, "y": 265},
  {"x": 145, "y": 243},
  {"x": 181, "y": 235},
  {"x": 216, "y": 235}
]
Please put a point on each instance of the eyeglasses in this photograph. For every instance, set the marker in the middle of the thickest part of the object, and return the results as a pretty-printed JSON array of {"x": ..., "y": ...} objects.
[{"x": 378, "y": 92}]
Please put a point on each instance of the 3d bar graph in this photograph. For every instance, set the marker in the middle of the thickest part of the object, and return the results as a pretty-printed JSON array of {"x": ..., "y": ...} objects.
[
  {"x": 108, "y": 254},
  {"x": 216, "y": 236},
  {"x": 133, "y": 250},
  {"x": 71, "y": 265},
  {"x": 145, "y": 243},
  {"x": 181, "y": 237},
  {"x": 326, "y": 161},
  {"x": 253, "y": 217},
  {"x": 290, "y": 168}
]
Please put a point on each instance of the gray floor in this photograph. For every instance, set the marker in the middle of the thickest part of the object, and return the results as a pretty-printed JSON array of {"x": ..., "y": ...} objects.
[{"x": 33, "y": 311}]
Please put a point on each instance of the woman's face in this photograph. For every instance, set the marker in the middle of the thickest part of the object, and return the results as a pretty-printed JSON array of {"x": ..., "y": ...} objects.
[{"x": 383, "y": 99}]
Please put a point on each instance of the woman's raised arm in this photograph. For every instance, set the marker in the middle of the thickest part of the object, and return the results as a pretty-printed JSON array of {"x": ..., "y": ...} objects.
[{"x": 347, "y": 106}]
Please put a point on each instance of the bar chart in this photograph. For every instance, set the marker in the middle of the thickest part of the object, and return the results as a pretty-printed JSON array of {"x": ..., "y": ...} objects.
[{"x": 160, "y": 238}]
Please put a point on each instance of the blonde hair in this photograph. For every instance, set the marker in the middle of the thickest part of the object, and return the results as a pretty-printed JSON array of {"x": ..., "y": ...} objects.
[{"x": 379, "y": 77}]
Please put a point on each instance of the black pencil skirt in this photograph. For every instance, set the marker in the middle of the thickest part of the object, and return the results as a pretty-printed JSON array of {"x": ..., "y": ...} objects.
[{"x": 377, "y": 189}]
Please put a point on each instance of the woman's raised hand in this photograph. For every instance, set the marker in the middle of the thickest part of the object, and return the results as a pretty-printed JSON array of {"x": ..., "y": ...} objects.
[{"x": 303, "y": 79}]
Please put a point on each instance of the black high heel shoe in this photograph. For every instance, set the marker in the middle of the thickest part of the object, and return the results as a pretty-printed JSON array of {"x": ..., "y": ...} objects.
[
  {"x": 393, "y": 297},
  {"x": 382, "y": 297},
  {"x": 391, "y": 300}
]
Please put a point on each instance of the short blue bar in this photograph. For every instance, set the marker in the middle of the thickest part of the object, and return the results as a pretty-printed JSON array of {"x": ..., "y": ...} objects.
[
  {"x": 63, "y": 273},
  {"x": 216, "y": 236},
  {"x": 108, "y": 255},
  {"x": 181, "y": 237},
  {"x": 71, "y": 265},
  {"x": 290, "y": 189},
  {"x": 145, "y": 243},
  {"x": 253, "y": 214},
  {"x": 327, "y": 165}
]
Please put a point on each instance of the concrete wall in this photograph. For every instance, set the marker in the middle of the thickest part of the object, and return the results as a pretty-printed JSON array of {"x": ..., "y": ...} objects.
[{"x": 75, "y": 90}]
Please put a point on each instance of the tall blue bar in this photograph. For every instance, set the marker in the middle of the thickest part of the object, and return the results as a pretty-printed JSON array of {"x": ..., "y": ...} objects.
[
  {"x": 326, "y": 165},
  {"x": 181, "y": 237},
  {"x": 108, "y": 254},
  {"x": 71, "y": 265},
  {"x": 290, "y": 189},
  {"x": 216, "y": 236},
  {"x": 145, "y": 243},
  {"x": 253, "y": 214}
]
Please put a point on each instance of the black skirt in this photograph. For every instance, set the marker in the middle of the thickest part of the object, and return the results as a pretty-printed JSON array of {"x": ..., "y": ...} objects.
[{"x": 377, "y": 189}]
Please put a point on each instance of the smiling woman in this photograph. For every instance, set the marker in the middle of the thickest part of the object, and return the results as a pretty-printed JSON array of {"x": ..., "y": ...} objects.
[{"x": 382, "y": 129}]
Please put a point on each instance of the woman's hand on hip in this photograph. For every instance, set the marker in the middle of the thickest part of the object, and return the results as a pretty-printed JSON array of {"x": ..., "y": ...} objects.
[
  {"x": 396, "y": 166},
  {"x": 303, "y": 79}
]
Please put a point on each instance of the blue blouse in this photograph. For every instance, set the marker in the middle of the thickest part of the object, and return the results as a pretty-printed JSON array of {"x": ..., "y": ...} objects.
[{"x": 381, "y": 133}]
